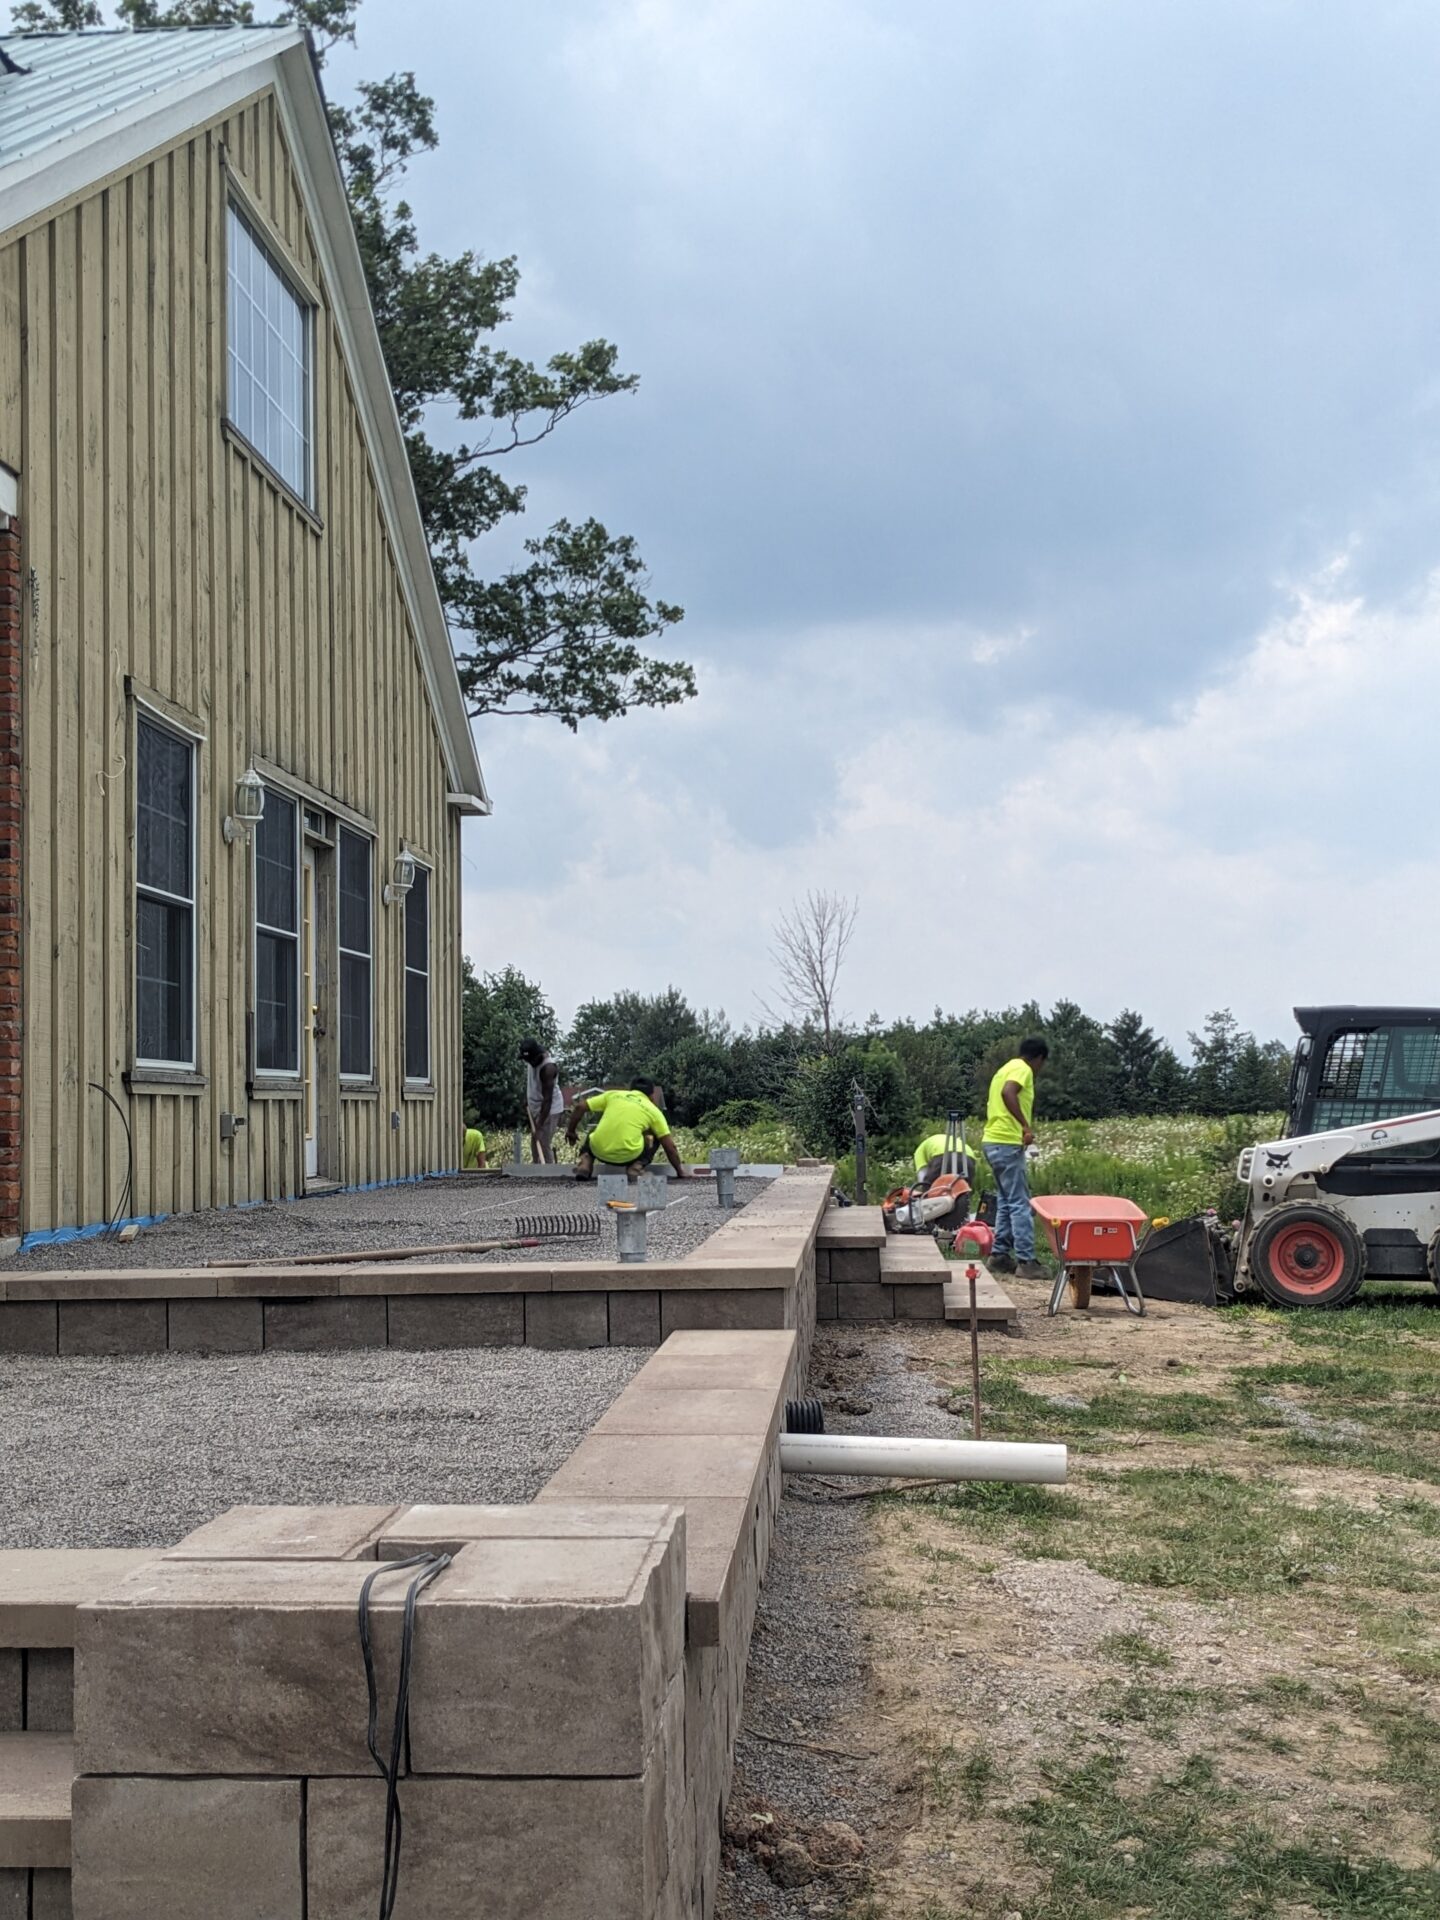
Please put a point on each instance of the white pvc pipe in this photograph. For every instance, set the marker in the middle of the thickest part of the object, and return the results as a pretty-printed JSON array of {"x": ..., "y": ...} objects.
[{"x": 858, "y": 1453}]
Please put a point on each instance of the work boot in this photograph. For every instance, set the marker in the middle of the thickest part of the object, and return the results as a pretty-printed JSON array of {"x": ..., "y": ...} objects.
[
  {"x": 1001, "y": 1263},
  {"x": 1030, "y": 1270}
]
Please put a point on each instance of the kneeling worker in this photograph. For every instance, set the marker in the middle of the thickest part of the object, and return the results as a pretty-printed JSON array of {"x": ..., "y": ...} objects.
[
  {"x": 631, "y": 1126},
  {"x": 930, "y": 1161}
]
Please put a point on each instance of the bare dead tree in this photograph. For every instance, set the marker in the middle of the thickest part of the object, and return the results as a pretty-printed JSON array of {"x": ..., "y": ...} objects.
[{"x": 811, "y": 942}]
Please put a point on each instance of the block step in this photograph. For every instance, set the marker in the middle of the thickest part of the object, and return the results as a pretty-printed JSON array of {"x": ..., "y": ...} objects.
[
  {"x": 40, "y": 1588},
  {"x": 37, "y": 1771},
  {"x": 851, "y": 1227},
  {"x": 905, "y": 1259},
  {"x": 993, "y": 1306}
]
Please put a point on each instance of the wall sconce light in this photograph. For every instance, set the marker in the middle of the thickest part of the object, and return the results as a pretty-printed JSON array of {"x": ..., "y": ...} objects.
[
  {"x": 402, "y": 876},
  {"x": 249, "y": 804}
]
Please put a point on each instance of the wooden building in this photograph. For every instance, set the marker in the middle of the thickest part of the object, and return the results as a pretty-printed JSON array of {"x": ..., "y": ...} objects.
[{"x": 216, "y": 601}]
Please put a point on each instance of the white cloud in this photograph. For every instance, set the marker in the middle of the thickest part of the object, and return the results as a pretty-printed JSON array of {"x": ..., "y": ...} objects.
[{"x": 1266, "y": 843}]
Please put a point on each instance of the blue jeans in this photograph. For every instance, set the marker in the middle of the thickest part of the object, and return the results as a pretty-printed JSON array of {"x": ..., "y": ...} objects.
[{"x": 1014, "y": 1224}]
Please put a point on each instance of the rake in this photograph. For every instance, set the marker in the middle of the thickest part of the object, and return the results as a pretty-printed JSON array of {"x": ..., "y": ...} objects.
[{"x": 558, "y": 1226}]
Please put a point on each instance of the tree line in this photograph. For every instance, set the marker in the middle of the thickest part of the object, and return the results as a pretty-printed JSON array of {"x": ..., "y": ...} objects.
[{"x": 910, "y": 1072}]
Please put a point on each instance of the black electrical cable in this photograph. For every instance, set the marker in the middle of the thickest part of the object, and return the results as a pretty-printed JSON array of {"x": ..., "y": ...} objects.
[
  {"x": 429, "y": 1566},
  {"x": 129, "y": 1187}
]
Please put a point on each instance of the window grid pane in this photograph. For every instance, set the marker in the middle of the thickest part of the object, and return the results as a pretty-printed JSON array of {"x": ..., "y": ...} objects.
[
  {"x": 269, "y": 359},
  {"x": 165, "y": 893},
  {"x": 417, "y": 977},
  {"x": 277, "y": 937},
  {"x": 356, "y": 868}
]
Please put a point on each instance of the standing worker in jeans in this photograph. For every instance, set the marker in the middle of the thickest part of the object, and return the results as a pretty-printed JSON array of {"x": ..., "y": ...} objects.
[
  {"x": 1009, "y": 1130},
  {"x": 544, "y": 1099}
]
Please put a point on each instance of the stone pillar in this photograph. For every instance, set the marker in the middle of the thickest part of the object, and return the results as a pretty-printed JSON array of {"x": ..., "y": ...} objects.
[{"x": 11, "y": 831}]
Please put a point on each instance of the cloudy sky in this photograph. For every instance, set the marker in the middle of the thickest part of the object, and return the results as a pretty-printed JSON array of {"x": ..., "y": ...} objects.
[{"x": 1040, "y": 423}]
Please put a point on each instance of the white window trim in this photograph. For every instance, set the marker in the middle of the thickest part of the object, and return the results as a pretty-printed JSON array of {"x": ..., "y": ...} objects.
[
  {"x": 237, "y": 207},
  {"x": 368, "y": 1078},
  {"x": 288, "y": 1075},
  {"x": 162, "y": 723},
  {"x": 427, "y": 1079}
]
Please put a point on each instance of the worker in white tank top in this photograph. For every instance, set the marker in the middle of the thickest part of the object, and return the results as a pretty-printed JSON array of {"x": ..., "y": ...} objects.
[{"x": 544, "y": 1099}]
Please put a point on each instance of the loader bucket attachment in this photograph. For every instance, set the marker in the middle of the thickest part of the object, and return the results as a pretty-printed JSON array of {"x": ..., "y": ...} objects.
[{"x": 1188, "y": 1261}]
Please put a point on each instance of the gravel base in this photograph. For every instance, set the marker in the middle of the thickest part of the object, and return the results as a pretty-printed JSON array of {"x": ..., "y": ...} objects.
[
  {"x": 808, "y": 1670},
  {"x": 427, "y": 1213},
  {"x": 138, "y": 1452}
]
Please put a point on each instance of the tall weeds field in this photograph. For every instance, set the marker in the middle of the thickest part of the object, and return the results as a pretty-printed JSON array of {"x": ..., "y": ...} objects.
[{"x": 1171, "y": 1165}]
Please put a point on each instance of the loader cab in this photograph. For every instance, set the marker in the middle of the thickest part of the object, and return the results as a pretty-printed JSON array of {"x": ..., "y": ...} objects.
[{"x": 1355, "y": 1065}]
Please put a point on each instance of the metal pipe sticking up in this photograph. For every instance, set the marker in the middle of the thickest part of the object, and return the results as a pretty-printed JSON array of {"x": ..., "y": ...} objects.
[
  {"x": 724, "y": 1160},
  {"x": 630, "y": 1205},
  {"x": 1020, "y": 1463}
]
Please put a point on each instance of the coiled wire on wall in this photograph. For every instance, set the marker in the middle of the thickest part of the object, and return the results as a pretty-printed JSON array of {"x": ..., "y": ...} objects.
[
  {"x": 128, "y": 1189},
  {"x": 425, "y": 1567}
]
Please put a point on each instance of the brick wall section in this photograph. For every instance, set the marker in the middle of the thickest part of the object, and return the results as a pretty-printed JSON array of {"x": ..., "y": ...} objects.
[{"x": 11, "y": 901}]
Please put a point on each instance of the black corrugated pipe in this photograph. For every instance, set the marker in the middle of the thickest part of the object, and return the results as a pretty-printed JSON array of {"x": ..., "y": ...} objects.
[{"x": 804, "y": 1416}]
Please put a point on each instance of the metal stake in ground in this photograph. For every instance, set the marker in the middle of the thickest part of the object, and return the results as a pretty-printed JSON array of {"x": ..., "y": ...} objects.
[{"x": 972, "y": 1274}]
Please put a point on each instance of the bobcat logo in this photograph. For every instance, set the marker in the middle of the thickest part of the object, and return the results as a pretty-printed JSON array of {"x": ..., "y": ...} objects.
[{"x": 1277, "y": 1160}]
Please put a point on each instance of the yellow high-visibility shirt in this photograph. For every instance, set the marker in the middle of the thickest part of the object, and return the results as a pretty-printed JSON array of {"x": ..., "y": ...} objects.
[
  {"x": 626, "y": 1116},
  {"x": 931, "y": 1148},
  {"x": 1001, "y": 1127},
  {"x": 474, "y": 1147}
]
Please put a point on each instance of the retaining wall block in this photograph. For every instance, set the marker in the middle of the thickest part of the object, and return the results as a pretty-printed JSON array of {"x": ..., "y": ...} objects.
[
  {"x": 320, "y": 1326},
  {"x": 423, "y": 1321},
  {"x": 172, "y": 1849},
  {"x": 98, "y": 1328},
  {"x": 920, "y": 1302},
  {"x": 216, "y": 1326},
  {"x": 865, "y": 1302},
  {"x": 567, "y": 1320},
  {"x": 635, "y": 1318},
  {"x": 738, "y": 1308},
  {"x": 12, "y": 1695},
  {"x": 286, "y": 1533},
  {"x": 49, "y": 1690},
  {"x": 517, "y": 1631},
  {"x": 29, "y": 1326},
  {"x": 50, "y": 1894},
  {"x": 855, "y": 1264},
  {"x": 261, "y": 1671},
  {"x": 564, "y": 1849}
]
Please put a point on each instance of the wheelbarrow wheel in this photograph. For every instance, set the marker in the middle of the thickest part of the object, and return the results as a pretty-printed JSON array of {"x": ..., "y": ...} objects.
[{"x": 1307, "y": 1256}]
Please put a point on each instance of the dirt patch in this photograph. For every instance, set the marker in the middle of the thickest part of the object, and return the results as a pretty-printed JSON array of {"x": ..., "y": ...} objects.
[{"x": 1202, "y": 1679}]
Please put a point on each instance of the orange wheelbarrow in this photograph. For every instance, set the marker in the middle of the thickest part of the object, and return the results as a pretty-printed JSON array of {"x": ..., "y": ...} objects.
[{"x": 1087, "y": 1231}]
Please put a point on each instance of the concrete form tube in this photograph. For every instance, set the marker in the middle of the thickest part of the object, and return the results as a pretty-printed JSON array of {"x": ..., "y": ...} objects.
[{"x": 857, "y": 1453}]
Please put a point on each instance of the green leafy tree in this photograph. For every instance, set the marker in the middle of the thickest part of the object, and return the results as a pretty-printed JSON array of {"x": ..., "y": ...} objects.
[
  {"x": 1217, "y": 1053},
  {"x": 498, "y": 1011},
  {"x": 567, "y": 633},
  {"x": 696, "y": 1076},
  {"x": 820, "y": 1099},
  {"x": 1080, "y": 1075},
  {"x": 611, "y": 1041}
]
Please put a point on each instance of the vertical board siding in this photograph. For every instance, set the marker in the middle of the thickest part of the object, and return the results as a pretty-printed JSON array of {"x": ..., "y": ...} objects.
[{"x": 165, "y": 557}]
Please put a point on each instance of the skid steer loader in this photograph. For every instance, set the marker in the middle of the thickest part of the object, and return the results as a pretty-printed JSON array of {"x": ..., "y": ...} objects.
[{"x": 1350, "y": 1192}]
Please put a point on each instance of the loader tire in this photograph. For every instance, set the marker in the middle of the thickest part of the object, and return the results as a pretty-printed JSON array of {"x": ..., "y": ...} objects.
[
  {"x": 1307, "y": 1256},
  {"x": 1432, "y": 1262}
]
